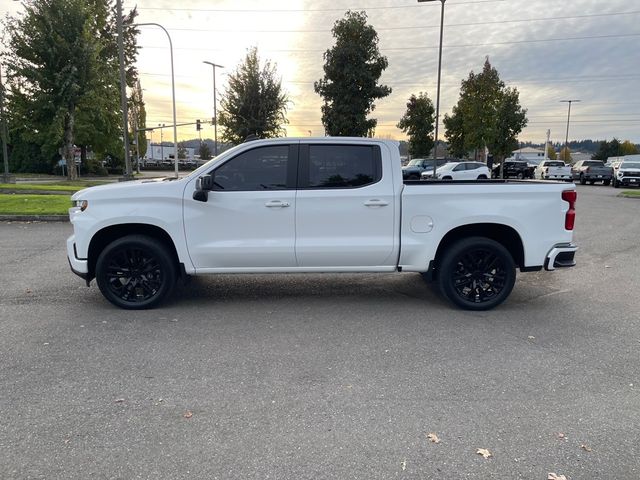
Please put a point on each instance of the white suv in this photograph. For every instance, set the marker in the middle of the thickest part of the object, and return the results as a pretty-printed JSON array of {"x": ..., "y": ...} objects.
[{"x": 461, "y": 171}]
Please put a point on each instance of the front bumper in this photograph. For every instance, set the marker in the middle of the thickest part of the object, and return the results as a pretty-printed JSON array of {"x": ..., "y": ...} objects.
[
  {"x": 79, "y": 266},
  {"x": 561, "y": 256},
  {"x": 628, "y": 181}
]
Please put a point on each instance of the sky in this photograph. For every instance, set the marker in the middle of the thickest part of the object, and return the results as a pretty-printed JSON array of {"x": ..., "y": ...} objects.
[{"x": 550, "y": 50}]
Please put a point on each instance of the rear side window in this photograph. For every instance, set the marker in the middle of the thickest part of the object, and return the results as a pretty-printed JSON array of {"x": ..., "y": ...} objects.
[
  {"x": 590, "y": 163},
  {"x": 340, "y": 166},
  {"x": 555, "y": 164}
]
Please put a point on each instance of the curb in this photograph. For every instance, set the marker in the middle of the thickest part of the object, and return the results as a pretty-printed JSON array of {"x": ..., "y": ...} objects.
[
  {"x": 34, "y": 218},
  {"x": 622, "y": 195}
]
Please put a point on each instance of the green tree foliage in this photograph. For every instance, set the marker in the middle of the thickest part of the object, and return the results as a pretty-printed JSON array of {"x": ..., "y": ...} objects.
[
  {"x": 204, "y": 151},
  {"x": 418, "y": 124},
  {"x": 628, "y": 148},
  {"x": 454, "y": 133},
  {"x": 565, "y": 155},
  {"x": 62, "y": 58},
  {"x": 487, "y": 114},
  {"x": 254, "y": 102},
  {"x": 138, "y": 121},
  {"x": 608, "y": 149},
  {"x": 350, "y": 86}
]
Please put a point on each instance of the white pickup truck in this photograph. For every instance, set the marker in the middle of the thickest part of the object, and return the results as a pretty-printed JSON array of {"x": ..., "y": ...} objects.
[
  {"x": 318, "y": 205},
  {"x": 553, "y": 170}
]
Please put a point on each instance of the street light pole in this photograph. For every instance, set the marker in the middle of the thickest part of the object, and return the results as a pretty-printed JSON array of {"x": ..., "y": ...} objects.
[
  {"x": 215, "y": 111},
  {"x": 123, "y": 93},
  {"x": 173, "y": 92},
  {"x": 566, "y": 138},
  {"x": 435, "y": 143},
  {"x": 6, "y": 178}
]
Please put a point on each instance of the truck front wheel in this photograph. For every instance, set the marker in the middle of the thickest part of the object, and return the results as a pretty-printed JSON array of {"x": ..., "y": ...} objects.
[
  {"x": 476, "y": 273},
  {"x": 135, "y": 272}
]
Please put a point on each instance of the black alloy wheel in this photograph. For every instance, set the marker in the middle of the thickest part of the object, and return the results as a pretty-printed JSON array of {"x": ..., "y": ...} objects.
[
  {"x": 135, "y": 272},
  {"x": 477, "y": 273}
]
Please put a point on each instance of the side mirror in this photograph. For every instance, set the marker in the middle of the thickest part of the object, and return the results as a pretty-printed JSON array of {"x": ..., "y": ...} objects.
[{"x": 203, "y": 185}]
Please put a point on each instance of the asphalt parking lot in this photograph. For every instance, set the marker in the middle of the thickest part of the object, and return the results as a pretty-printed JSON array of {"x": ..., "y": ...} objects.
[{"x": 324, "y": 376}]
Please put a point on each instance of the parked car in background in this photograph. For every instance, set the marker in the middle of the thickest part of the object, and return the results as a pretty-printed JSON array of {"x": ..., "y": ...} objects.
[
  {"x": 461, "y": 171},
  {"x": 591, "y": 171},
  {"x": 627, "y": 173},
  {"x": 553, "y": 170},
  {"x": 513, "y": 169},
  {"x": 415, "y": 167}
]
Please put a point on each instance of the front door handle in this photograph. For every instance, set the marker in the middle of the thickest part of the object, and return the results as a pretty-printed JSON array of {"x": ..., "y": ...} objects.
[
  {"x": 375, "y": 202},
  {"x": 276, "y": 204}
]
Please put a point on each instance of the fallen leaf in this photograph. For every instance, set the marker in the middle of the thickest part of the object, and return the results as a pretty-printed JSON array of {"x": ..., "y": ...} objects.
[
  {"x": 531, "y": 337},
  {"x": 188, "y": 414},
  {"x": 28, "y": 290},
  {"x": 118, "y": 400},
  {"x": 433, "y": 438},
  {"x": 585, "y": 448},
  {"x": 403, "y": 464},
  {"x": 484, "y": 452},
  {"x": 561, "y": 435},
  {"x": 555, "y": 476}
]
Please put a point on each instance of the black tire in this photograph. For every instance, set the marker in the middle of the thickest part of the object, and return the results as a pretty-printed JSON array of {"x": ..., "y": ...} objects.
[
  {"x": 607, "y": 183},
  {"x": 447, "y": 178},
  {"x": 467, "y": 262},
  {"x": 592, "y": 182},
  {"x": 520, "y": 176},
  {"x": 583, "y": 181},
  {"x": 153, "y": 277},
  {"x": 616, "y": 183},
  {"x": 482, "y": 177}
]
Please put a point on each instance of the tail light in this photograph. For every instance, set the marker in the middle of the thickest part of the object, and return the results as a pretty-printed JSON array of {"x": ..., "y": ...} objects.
[{"x": 570, "y": 197}]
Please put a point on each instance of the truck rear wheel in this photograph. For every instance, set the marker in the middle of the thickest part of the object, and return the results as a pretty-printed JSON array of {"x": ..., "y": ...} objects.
[
  {"x": 476, "y": 273},
  {"x": 135, "y": 272}
]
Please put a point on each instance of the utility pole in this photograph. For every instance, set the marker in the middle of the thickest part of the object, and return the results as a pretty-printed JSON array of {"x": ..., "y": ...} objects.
[
  {"x": 546, "y": 146},
  {"x": 566, "y": 138},
  {"x": 215, "y": 111},
  {"x": 123, "y": 93},
  {"x": 6, "y": 178}
]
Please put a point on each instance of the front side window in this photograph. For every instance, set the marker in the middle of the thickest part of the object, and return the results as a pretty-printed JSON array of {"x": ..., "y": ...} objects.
[
  {"x": 342, "y": 166},
  {"x": 262, "y": 168},
  {"x": 459, "y": 168}
]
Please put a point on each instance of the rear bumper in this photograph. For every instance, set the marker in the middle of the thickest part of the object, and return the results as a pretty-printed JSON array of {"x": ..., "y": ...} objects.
[
  {"x": 79, "y": 266},
  {"x": 561, "y": 256}
]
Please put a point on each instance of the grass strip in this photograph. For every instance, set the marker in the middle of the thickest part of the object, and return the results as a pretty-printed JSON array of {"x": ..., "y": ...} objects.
[
  {"x": 630, "y": 193},
  {"x": 49, "y": 187},
  {"x": 19, "y": 204}
]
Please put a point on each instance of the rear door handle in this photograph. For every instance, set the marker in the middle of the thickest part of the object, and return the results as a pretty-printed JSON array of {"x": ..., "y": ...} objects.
[
  {"x": 276, "y": 204},
  {"x": 374, "y": 202}
]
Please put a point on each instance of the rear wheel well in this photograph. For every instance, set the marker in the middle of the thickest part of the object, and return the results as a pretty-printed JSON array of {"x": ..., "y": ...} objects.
[
  {"x": 104, "y": 237},
  {"x": 502, "y": 234}
]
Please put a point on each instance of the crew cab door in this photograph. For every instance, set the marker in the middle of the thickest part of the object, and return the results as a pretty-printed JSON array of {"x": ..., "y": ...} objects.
[
  {"x": 248, "y": 220},
  {"x": 344, "y": 207}
]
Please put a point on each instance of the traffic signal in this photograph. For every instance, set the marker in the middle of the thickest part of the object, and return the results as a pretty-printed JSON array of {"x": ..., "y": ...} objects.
[{"x": 198, "y": 126}]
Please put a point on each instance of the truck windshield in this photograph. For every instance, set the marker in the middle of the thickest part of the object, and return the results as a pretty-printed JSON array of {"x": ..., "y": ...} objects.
[
  {"x": 417, "y": 161},
  {"x": 593, "y": 164}
]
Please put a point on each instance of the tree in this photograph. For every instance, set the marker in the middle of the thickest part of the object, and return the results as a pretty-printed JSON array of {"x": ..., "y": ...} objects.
[
  {"x": 628, "y": 148},
  {"x": 254, "y": 102},
  {"x": 608, "y": 149},
  {"x": 487, "y": 114},
  {"x": 63, "y": 76},
  {"x": 182, "y": 151},
  {"x": 138, "y": 121},
  {"x": 204, "y": 151},
  {"x": 551, "y": 152},
  {"x": 350, "y": 86},
  {"x": 565, "y": 155},
  {"x": 418, "y": 124},
  {"x": 454, "y": 133}
]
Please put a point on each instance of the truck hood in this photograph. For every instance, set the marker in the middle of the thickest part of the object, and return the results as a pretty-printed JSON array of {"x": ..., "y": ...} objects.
[{"x": 131, "y": 189}]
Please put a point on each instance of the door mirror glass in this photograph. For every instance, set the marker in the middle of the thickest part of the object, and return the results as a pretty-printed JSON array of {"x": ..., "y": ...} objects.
[{"x": 204, "y": 183}]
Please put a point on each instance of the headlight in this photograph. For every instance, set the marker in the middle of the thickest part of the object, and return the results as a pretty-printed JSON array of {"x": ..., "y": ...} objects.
[{"x": 81, "y": 204}]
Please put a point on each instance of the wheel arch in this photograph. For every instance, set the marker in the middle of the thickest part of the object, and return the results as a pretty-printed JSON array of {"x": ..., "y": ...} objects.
[
  {"x": 106, "y": 235},
  {"x": 503, "y": 234}
]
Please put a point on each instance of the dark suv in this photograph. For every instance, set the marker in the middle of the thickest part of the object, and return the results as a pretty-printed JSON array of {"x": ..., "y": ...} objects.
[{"x": 513, "y": 169}]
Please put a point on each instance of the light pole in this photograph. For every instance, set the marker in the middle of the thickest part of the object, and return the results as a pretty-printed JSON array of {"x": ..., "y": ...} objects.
[
  {"x": 6, "y": 178},
  {"x": 215, "y": 111},
  {"x": 173, "y": 92},
  {"x": 161, "y": 144},
  {"x": 435, "y": 142},
  {"x": 566, "y": 138}
]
